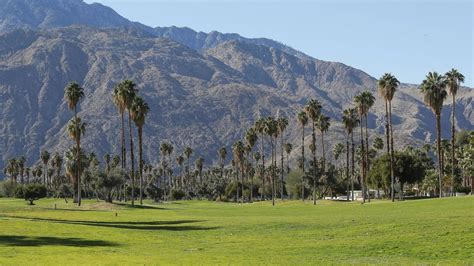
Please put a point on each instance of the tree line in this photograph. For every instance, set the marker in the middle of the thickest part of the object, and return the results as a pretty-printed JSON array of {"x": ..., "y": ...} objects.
[{"x": 254, "y": 172}]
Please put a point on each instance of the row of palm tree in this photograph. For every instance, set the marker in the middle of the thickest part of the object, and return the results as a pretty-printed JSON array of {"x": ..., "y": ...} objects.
[{"x": 270, "y": 130}]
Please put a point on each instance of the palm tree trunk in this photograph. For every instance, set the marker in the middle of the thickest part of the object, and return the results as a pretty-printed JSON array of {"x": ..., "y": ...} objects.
[
  {"x": 282, "y": 171},
  {"x": 140, "y": 163},
  {"x": 302, "y": 164},
  {"x": 352, "y": 163},
  {"x": 367, "y": 166},
  {"x": 392, "y": 173},
  {"x": 314, "y": 164},
  {"x": 242, "y": 179},
  {"x": 362, "y": 159},
  {"x": 132, "y": 159},
  {"x": 263, "y": 167},
  {"x": 440, "y": 166},
  {"x": 453, "y": 159},
  {"x": 273, "y": 169},
  {"x": 78, "y": 155},
  {"x": 124, "y": 158},
  {"x": 347, "y": 165}
]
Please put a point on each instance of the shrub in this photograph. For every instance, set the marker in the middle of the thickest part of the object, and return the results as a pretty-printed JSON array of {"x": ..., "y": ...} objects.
[
  {"x": 34, "y": 192},
  {"x": 466, "y": 190},
  {"x": 7, "y": 188},
  {"x": 154, "y": 192},
  {"x": 19, "y": 191},
  {"x": 177, "y": 194}
]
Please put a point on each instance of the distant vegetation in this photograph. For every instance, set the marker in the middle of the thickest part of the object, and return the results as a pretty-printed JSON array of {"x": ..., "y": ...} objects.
[{"x": 259, "y": 168}]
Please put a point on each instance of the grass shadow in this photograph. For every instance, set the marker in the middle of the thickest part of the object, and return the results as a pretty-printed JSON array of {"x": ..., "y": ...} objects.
[
  {"x": 145, "y": 207},
  {"x": 176, "y": 225},
  {"x": 31, "y": 241},
  {"x": 73, "y": 210}
]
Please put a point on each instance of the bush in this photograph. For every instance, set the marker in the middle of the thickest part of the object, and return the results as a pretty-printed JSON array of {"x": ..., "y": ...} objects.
[
  {"x": 177, "y": 194},
  {"x": 466, "y": 190},
  {"x": 154, "y": 192},
  {"x": 20, "y": 191},
  {"x": 34, "y": 192},
  {"x": 7, "y": 188}
]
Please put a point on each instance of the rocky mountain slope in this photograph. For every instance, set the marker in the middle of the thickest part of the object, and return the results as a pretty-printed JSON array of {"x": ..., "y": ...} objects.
[{"x": 204, "y": 96}]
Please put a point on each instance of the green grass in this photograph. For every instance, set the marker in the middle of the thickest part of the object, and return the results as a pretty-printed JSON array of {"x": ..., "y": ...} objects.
[{"x": 435, "y": 231}]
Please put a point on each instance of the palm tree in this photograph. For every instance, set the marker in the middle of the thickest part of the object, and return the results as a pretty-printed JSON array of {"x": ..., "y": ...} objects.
[
  {"x": 238, "y": 153},
  {"x": 454, "y": 80},
  {"x": 139, "y": 111},
  {"x": 313, "y": 110},
  {"x": 179, "y": 162},
  {"x": 222, "y": 157},
  {"x": 107, "y": 162},
  {"x": 73, "y": 93},
  {"x": 188, "y": 151},
  {"x": 434, "y": 93},
  {"x": 130, "y": 93},
  {"x": 57, "y": 162},
  {"x": 251, "y": 138},
  {"x": 282, "y": 123},
  {"x": 12, "y": 170},
  {"x": 119, "y": 97},
  {"x": 288, "y": 149},
  {"x": 350, "y": 121},
  {"x": 364, "y": 101},
  {"x": 199, "y": 163},
  {"x": 303, "y": 120},
  {"x": 76, "y": 128},
  {"x": 21, "y": 164},
  {"x": 387, "y": 86},
  {"x": 45, "y": 159},
  {"x": 323, "y": 125},
  {"x": 260, "y": 128},
  {"x": 337, "y": 151},
  {"x": 271, "y": 130}
]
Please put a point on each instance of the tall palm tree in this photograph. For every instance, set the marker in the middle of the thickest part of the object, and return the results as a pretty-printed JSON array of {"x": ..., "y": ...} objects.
[
  {"x": 350, "y": 121},
  {"x": 222, "y": 157},
  {"x": 73, "y": 93},
  {"x": 45, "y": 159},
  {"x": 313, "y": 110},
  {"x": 271, "y": 130},
  {"x": 260, "y": 128},
  {"x": 454, "y": 80},
  {"x": 139, "y": 111},
  {"x": 323, "y": 124},
  {"x": 303, "y": 121},
  {"x": 119, "y": 97},
  {"x": 364, "y": 101},
  {"x": 21, "y": 164},
  {"x": 199, "y": 163},
  {"x": 288, "y": 149},
  {"x": 188, "y": 151},
  {"x": 251, "y": 138},
  {"x": 179, "y": 162},
  {"x": 282, "y": 123},
  {"x": 57, "y": 162},
  {"x": 238, "y": 153},
  {"x": 130, "y": 93},
  {"x": 387, "y": 86},
  {"x": 76, "y": 128},
  {"x": 434, "y": 93}
]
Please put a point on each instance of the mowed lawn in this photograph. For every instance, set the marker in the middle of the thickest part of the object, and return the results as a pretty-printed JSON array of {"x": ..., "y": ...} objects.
[{"x": 434, "y": 231}]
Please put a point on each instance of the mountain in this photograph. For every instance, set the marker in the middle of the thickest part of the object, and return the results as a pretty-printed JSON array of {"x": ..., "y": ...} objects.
[
  {"x": 46, "y": 14},
  {"x": 204, "y": 96}
]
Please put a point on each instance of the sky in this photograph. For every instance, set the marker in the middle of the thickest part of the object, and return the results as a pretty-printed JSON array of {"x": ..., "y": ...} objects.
[{"x": 408, "y": 38}]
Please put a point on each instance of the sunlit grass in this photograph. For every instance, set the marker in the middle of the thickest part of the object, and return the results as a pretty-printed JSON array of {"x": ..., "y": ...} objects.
[{"x": 200, "y": 232}]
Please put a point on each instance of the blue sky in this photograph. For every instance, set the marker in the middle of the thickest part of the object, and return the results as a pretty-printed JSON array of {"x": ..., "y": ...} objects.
[{"x": 406, "y": 37}]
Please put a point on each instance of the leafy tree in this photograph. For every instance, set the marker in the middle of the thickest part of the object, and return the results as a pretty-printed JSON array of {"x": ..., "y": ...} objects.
[
  {"x": 34, "y": 192},
  {"x": 107, "y": 181}
]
